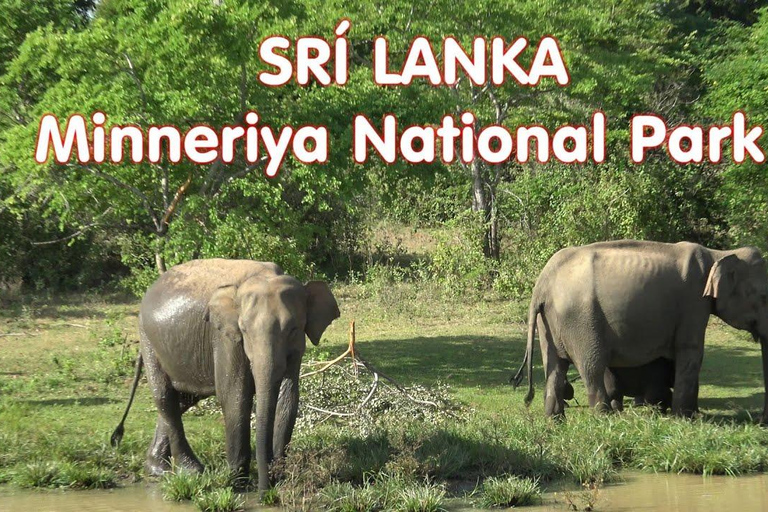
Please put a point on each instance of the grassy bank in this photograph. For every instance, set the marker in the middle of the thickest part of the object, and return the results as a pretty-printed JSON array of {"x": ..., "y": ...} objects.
[{"x": 65, "y": 366}]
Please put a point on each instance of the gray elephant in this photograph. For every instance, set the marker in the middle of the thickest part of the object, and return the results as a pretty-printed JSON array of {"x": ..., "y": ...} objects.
[
  {"x": 627, "y": 303},
  {"x": 649, "y": 384},
  {"x": 233, "y": 328}
]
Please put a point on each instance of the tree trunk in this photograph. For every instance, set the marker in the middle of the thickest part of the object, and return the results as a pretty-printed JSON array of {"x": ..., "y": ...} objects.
[
  {"x": 159, "y": 258},
  {"x": 492, "y": 233},
  {"x": 482, "y": 201}
]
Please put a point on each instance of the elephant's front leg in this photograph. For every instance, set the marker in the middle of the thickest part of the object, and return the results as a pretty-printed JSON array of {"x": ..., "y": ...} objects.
[
  {"x": 287, "y": 406},
  {"x": 764, "y": 354},
  {"x": 235, "y": 390},
  {"x": 686, "y": 393}
]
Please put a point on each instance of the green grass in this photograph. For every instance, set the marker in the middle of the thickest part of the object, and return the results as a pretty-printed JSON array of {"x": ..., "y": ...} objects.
[
  {"x": 219, "y": 500},
  {"x": 385, "y": 492},
  {"x": 180, "y": 485},
  {"x": 509, "y": 491},
  {"x": 64, "y": 382}
]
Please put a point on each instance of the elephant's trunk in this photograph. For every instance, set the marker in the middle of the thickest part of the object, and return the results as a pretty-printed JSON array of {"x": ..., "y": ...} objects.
[
  {"x": 266, "y": 401},
  {"x": 764, "y": 351}
]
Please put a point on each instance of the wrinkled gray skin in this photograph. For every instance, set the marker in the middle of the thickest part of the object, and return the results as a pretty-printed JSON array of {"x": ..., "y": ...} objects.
[
  {"x": 627, "y": 303},
  {"x": 233, "y": 328},
  {"x": 649, "y": 384}
]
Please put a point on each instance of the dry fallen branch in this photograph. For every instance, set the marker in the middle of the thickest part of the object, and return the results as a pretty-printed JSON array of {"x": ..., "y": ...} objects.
[
  {"x": 359, "y": 362},
  {"x": 339, "y": 390}
]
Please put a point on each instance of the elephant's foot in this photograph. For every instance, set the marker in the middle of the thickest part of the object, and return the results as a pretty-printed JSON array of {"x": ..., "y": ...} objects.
[
  {"x": 554, "y": 408},
  {"x": 188, "y": 462},
  {"x": 158, "y": 457},
  {"x": 156, "y": 467},
  {"x": 240, "y": 480}
]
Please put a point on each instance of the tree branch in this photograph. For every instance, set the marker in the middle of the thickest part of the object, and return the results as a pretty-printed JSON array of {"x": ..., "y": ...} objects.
[
  {"x": 176, "y": 198},
  {"x": 135, "y": 191}
]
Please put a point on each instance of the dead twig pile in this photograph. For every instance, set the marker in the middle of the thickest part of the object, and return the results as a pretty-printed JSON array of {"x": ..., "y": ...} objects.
[{"x": 350, "y": 390}]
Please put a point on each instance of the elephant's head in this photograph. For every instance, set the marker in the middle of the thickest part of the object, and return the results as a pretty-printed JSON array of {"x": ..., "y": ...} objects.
[
  {"x": 738, "y": 284},
  {"x": 269, "y": 316}
]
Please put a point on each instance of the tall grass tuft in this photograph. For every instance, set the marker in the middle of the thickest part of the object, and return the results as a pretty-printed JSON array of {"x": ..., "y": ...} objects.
[
  {"x": 219, "y": 500},
  {"x": 418, "y": 497},
  {"x": 510, "y": 491},
  {"x": 63, "y": 474},
  {"x": 180, "y": 485}
]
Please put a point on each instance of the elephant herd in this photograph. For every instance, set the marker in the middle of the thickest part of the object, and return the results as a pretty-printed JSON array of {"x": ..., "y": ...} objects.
[{"x": 630, "y": 315}]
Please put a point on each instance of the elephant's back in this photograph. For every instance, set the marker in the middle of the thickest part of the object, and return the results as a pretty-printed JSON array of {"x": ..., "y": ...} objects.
[
  {"x": 629, "y": 294},
  {"x": 172, "y": 315}
]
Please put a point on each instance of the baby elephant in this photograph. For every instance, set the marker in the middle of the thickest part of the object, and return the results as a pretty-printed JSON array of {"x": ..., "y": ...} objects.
[{"x": 649, "y": 384}]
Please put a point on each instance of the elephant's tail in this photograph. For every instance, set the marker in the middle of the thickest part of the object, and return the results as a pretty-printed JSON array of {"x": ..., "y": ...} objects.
[
  {"x": 517, "y": 378},
  {"x": 117, "y": 435},
  {"x": 533, "y": 313}
]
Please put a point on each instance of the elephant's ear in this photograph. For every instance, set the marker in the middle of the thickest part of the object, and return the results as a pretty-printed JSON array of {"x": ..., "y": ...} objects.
[
  {"x": 321, "y": 309},
  {"x": 722, "y": 277},
  {"x": 223, "y": 314}
]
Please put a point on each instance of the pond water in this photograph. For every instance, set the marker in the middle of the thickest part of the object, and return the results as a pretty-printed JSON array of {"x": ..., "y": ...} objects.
[
  {"x": 665, "y": 492},
  {"x": 637, "y": 491}
]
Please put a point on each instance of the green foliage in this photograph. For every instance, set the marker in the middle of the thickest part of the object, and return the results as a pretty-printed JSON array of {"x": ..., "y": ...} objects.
[
  {"x": 737, "y": 79},
  {"x": 182, "y": 485},
  {"x": 458, "y": 260},
  {"x": 184, "y": 63},
  {"x": 219, "y": 500},
  {"x": 73, "y": 475},
  {"x": 509, "y": 491},
  {"x": 386, "y": 492}
]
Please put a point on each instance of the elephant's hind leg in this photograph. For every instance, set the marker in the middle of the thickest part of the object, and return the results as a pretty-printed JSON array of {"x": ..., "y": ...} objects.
[
  {"x": 554, "y": 400},
  {"x": 169, "y": 433},
  {"x": 556, "y": 370},
  {"x": 159, "y": 453},
  {"x": 593, "y": 373}
]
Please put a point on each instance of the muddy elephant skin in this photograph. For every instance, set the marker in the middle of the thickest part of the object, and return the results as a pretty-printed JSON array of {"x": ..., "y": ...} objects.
[{"x": 236, "y": 329}]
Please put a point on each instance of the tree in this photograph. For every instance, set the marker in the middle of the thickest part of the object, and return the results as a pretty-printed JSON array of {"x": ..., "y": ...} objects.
[
  {"x": 736, "y": 75},
  {"x": 151, "y": 63}
]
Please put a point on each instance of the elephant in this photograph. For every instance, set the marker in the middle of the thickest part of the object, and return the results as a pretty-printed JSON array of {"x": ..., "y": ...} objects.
[
  {"x": 626, "y": 303},
  {"x": 648, "y": 384},
  {"x": 233, "y": 328}
]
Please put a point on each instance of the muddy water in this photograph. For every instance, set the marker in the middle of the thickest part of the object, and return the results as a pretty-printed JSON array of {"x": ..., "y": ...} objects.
[
  {"x": 131, "y": 498},
  {"x": 638, "y": 491},
  {"x": 665, "y": 492},
  {"x": 126, "y": 499}
]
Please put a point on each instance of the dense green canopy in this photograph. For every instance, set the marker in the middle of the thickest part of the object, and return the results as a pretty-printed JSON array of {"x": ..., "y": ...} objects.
[{"x": 187, "y": 62}]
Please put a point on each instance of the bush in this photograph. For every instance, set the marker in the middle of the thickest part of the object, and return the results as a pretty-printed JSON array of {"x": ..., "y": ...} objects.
[{"x": 458, "y": 261}]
